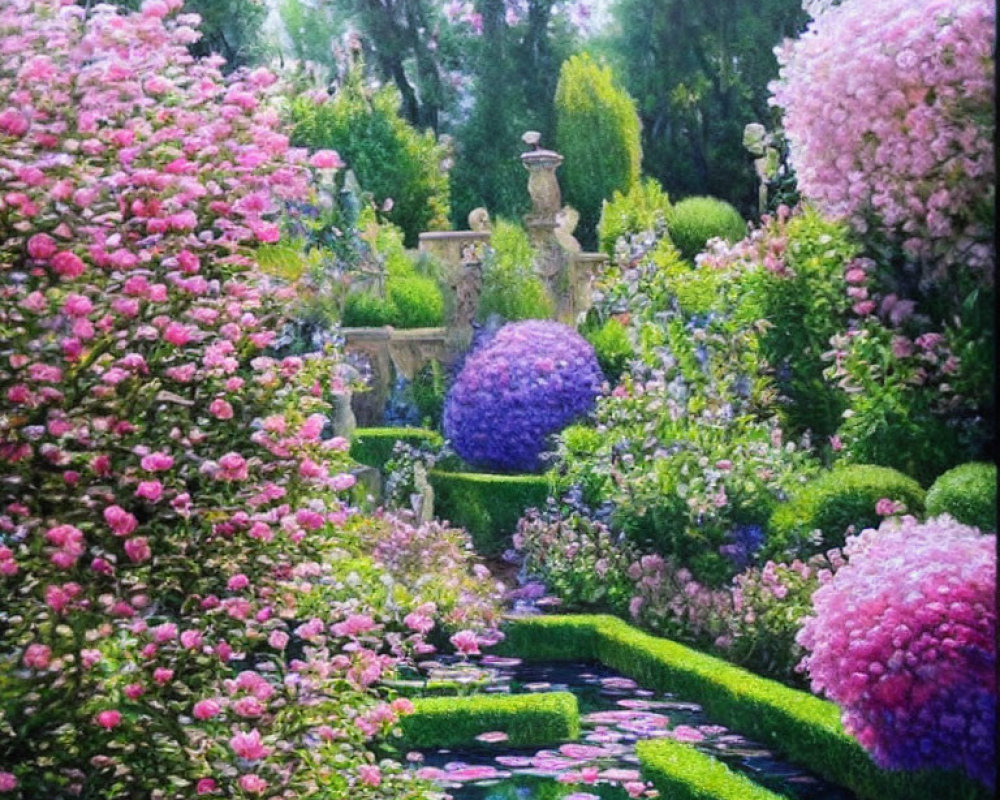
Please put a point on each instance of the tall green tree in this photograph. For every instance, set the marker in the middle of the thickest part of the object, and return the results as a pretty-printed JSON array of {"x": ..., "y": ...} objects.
[
  {"x": 515, "y": 67},
  {"x": 699, "y": 72},
  {"x": 597, "y": 131}
]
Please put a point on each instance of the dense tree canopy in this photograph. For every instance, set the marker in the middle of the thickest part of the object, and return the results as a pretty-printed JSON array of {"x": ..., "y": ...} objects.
[{"x": 699, "y": 72}]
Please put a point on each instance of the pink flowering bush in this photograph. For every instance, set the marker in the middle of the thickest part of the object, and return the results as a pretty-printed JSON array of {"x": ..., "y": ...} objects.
[
  {"x": 888, "y": 107},
  {"x": 430, "y": 566},
  {"x": 903, "y": 638},
  {"x": 166, "y": 493}
]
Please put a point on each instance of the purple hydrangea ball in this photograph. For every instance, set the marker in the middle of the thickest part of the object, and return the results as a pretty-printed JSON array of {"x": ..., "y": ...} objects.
[{"x": 528, "y": 382}]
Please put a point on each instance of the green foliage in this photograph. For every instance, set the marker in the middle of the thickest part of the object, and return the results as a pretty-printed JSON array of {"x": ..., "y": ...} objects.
[
  {"x": 804, "y": 728},
  {"x": 312, "y": 28},
  {"x": 530, "y": 720},
  {"x": 699, "y": 73},
  {"x": 612, "y": 346},
  {"x": 841, "y": 499},
  {"x": 644, "y": 207},
  {"x": 373, "y": 446},
  {"x": 389, "y": 157},
  {"x": 695, "y": 220},
  {"x": 681, "y": 772},
  {"x": 511, "y": 288},
  {"x": 696, "y": 454},
  {"x": 488, "y": 506},
  {"x": 597, "y": 132},
  {"x": 793, "y": 281},
  {"x": 413, "y": 300},
  {"x": 907, "y": 411},
  {"x": 429, "y": 389},
  {"x": 514, "y": 70},
  {"x": 362, "y": 310},
  {"x": 968, "y": 493},
  {"x": 417, "y": 302}
]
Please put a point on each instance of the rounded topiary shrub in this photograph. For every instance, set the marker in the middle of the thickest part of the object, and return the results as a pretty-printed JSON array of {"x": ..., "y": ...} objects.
[
  {"x": 695, "y": 220},
  {"x": 528, "y": 382},
  {"x": 967, "y": 492},
  {"x": 846, "y": 499}
]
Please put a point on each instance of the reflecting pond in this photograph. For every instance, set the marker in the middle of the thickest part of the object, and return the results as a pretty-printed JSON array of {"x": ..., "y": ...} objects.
[{"x": 602, "y": 765}]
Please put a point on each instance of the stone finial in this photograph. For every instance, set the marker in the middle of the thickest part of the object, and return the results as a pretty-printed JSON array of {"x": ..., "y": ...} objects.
[{"x": 532, "y": 139}]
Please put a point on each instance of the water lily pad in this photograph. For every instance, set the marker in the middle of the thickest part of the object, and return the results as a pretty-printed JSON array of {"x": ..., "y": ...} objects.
[
  {"x": 685, "y": 733},
  {"x": 513, "y": 761},
  {"x": 492, "y": 737},
  {"x": 617, "y": 774}
]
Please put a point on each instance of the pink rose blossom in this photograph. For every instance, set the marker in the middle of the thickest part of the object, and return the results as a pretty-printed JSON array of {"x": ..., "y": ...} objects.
[
  {"x": 206, "y": 709},
  {"x": 249, "y": 745},
  {"x": 149, "y": 490},
  {"x": 137, "y": 549},
  {"x": 108, "y": 719},
  {"x": 121, "y": 522},
  {"x": 326, "y": 159},
  {"x": 465, "y": 642}
]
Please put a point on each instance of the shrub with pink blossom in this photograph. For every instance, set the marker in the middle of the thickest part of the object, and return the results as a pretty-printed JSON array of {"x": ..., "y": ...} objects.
[
  {"x": 530, "y": 381},
  {"x": 903, "y": 638},
  {"x": 429, "y": 563},
  {"x": 166, "y": 493},
  {"x": 769, "y": 605},
  {"x": 888, "y": 106}
]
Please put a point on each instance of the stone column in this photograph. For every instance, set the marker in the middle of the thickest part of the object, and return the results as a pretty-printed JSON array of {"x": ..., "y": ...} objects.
[{"x": 542, "y": 222}]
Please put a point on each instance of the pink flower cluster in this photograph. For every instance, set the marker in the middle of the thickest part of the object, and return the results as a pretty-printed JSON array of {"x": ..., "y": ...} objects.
[
  {"x": 903, "y": 638},
  {"x": 167, "y": 494},
  {"x": 888, "y": 107}
]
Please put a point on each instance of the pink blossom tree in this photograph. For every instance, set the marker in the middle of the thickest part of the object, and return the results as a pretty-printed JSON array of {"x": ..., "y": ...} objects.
[{"x": 888, "y": 107}]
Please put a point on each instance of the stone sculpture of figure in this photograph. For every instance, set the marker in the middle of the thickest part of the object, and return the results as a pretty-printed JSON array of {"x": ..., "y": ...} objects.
[
  {"x": 479, "y": 219},
  {"x": 422, "y": 500},
  {"x": 566, "y": 221}
]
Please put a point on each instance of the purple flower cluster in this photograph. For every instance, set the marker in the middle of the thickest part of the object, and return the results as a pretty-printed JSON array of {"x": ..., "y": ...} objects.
[
  {"x": 888, "y": 107},
  {"x": 904, "y": 640},
  {"x": 530, "y": 381}
]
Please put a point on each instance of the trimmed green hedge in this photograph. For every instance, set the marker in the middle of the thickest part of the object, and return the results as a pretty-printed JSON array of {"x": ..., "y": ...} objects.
[
  {"x": 373, "y": 446},
  {"x": 680, "y": 772},
  {"x": 487, "y": 506},
  {"x": 803, "y": 727},
  {"x": 969, "y": 493},
  {"x": 529, "y": 720},
  {"x": 834, "y": 501}
]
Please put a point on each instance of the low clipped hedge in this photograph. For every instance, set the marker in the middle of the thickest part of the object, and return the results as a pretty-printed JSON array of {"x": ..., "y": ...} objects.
[
  {"x": 529, "y": 720},
  {"x": 968, "y": 493},
  {"x": 487, "y": 506},
  {"x": 803, "y": 727},
  {"x": 836, "y": 500},
  {"x": 680, "y": 772},
  {"x": 373, "y": 446}
]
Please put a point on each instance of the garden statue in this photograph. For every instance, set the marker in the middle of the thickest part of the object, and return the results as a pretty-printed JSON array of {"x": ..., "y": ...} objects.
[
  {"x": 479, "y": 220},
  {"x": 422, "y": 500},
  {"x": 760, "y": 144}
]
